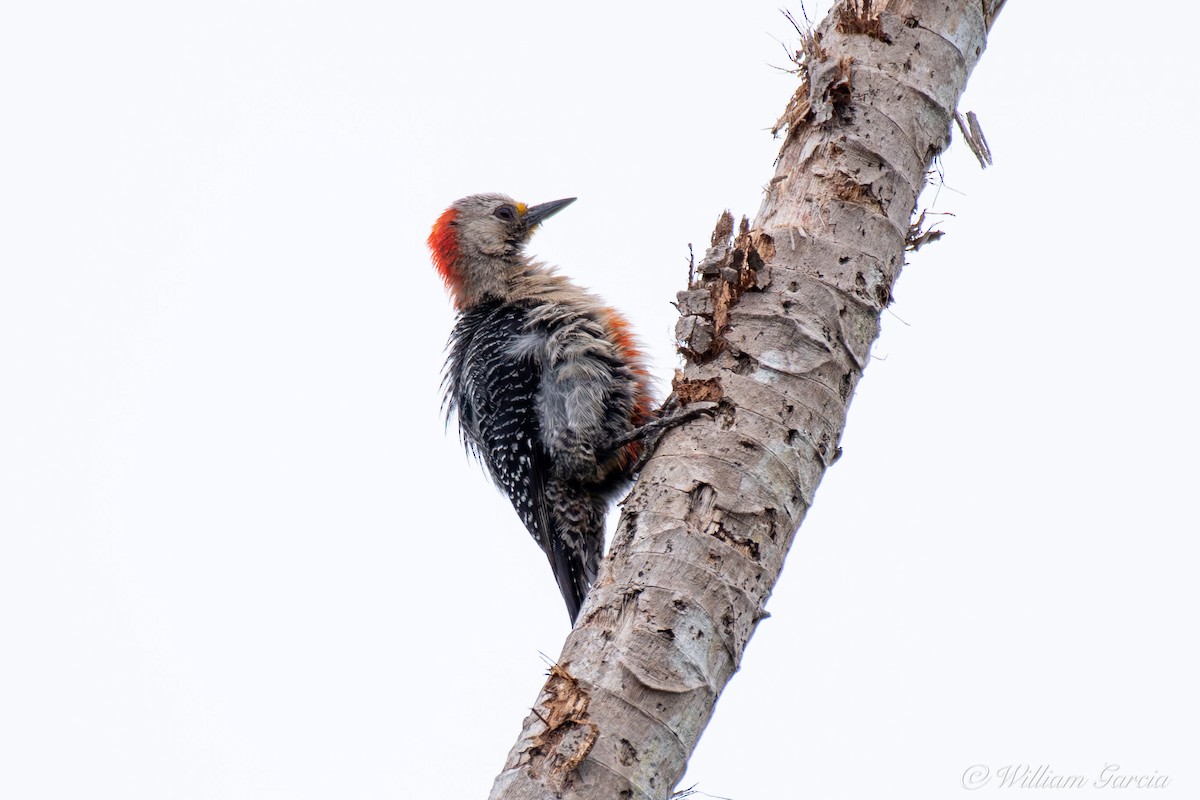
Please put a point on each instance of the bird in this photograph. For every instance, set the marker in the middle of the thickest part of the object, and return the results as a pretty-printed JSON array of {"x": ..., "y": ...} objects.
[{"x": 548, "y": 385}]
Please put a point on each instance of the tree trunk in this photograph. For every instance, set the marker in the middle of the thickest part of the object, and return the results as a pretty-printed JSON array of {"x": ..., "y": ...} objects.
[{"x": 776, "y": 329}]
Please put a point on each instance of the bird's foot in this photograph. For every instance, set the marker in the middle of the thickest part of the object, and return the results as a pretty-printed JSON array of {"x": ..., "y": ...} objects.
[{"x": 653, "y": 431}]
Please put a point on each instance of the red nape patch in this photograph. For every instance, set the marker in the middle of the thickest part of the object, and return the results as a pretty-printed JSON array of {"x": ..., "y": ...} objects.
[{"x": 443, "y": 245}]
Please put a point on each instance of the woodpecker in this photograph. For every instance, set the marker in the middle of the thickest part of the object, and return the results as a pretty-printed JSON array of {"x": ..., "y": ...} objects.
[{"x": 547, "y": 383}]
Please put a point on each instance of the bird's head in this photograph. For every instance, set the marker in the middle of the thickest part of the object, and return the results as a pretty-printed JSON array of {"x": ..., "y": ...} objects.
[{"x": 478, "y": 239}]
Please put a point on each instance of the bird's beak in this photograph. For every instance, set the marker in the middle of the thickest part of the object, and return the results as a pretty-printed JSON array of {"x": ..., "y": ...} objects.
[{"x": 535, "y": 214}]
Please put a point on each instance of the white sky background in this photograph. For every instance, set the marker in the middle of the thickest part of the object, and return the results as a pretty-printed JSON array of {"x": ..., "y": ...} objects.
[{"x": 240, "y": 557}]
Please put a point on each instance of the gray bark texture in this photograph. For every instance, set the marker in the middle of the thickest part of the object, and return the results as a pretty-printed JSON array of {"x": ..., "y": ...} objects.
[{"x": 776, "y": 329}]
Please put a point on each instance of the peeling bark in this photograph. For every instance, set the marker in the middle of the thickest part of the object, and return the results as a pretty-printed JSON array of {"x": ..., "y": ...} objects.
[{"x": 776, "y": 328}]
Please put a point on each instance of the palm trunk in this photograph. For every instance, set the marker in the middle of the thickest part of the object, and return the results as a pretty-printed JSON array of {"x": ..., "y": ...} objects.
[{"x": 777, "y": 329}]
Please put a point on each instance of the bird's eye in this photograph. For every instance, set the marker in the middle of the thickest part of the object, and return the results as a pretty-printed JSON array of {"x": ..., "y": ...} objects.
[{"x": 506, "y": 212}]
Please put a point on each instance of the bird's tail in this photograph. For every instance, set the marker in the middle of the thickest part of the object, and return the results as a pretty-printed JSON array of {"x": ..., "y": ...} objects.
[{"x": 576, "y": 544}]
